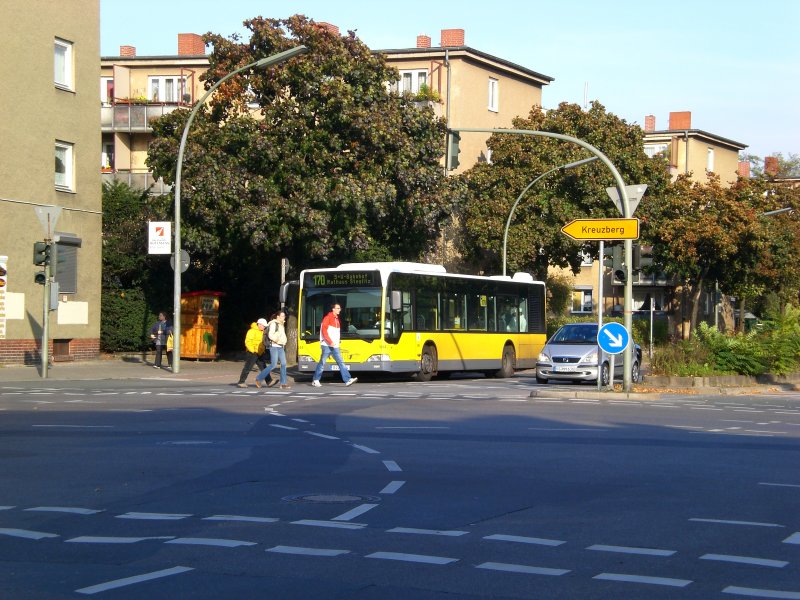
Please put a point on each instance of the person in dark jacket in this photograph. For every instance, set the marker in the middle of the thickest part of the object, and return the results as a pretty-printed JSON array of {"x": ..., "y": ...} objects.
[
  {"x": 256, "y": 352},
  {"x": 159, "y": 334}
]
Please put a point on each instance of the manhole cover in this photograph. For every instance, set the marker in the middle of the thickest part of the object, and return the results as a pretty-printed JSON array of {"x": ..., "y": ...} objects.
[{"x": 332, "y": 498}]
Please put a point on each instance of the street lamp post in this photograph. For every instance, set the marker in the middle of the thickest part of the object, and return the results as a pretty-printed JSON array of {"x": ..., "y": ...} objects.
[
  {"x": 176, "y": 319},
  {"x": 571, "y": 165}
]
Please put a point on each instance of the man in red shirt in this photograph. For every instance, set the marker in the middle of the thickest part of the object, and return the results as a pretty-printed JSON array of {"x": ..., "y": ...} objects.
[{"x": 329, "y": 338}]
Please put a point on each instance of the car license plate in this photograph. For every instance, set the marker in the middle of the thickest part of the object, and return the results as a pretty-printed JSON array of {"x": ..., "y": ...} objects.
[{"x": 564, "y": 368}]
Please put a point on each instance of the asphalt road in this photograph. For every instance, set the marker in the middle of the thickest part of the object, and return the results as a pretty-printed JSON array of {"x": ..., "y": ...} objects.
[{"x": 468, "y": 488}]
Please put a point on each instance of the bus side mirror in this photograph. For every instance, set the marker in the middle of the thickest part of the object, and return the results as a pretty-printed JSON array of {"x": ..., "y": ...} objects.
[{"x": 396, "y": 301}]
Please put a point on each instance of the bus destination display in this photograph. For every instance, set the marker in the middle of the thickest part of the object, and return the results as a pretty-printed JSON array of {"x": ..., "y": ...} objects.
[{"x": 331, "y": 279}]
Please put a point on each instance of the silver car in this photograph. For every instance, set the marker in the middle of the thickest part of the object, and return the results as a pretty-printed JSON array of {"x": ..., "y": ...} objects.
[{"x": 571, "y": 355}]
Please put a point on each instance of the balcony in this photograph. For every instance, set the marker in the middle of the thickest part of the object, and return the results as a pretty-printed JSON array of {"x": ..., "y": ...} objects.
[
  {"x": 142, "y": 180},
  {"x": 132, "y": 118}
]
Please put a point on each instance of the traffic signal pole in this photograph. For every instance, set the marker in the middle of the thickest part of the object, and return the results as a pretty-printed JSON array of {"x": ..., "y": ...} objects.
[{"x": 45, "y": 353}]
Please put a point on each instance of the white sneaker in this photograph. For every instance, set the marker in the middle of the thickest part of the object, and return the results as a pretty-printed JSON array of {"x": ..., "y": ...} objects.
[
  {"x": 351, "y": 381},
  {"x": 315, "y": 383}
]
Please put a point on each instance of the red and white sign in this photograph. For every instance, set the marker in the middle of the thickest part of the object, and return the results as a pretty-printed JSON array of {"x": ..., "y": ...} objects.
[{"x": 159, "y": 237}]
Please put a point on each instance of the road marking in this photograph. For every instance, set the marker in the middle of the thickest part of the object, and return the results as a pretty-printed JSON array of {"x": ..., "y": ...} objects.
[
  {"x": 283, "y": 426},
  {"x": 392, "y": 487},
  {"x": 307, "y": 551},
  {"x": 98, "y": 539},
  {"x": 565, "y": 429},
  {"x": 451, "y": 533},
  {"x": 727, "y": 522},
  {"x": 78, "y": 426},
  {"x": 118, "y": 583},
  {"x": 643, "y": 579},
  {"x": 210, "y": 542},
  {"x": 27, "y": 534},
  {"x": 392, "y": 465},
  {"x": 322, "y": 435},
  {"x": 153, "y": 516},
  {"x": 791, "y": 485},
  {"x": 352, "y": 514},
  {"x": 64, "y": 509},
  {"x": 512, "y": 568},
  {"x": 6, "y": 507},
  {"x": 300, "y": 421},
  {"x": 745, "y": 560},
  {"x": 332, "y": 524},
  {"x": 793, "y": 539},
  {"x": 411, "y": 427},
  {"x": 366, "y": 449},
  {"x": 240, "y": 518},
  {"x": 416, "y": 558},
  {"x": 756, "y": 593},
  {"x": 524, "y": 540},
  {"x": 631, "y": 550}
]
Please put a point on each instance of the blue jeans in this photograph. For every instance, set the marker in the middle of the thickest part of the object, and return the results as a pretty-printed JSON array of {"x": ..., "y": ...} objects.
[
  {"x": 337, "y": 356},
  {"x": 276, "y": 353}
]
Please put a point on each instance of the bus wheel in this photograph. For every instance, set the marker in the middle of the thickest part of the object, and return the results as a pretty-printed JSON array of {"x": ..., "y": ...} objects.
[
  {"x": 508, "y": 362},
  {"x": 427, "y": 367}
]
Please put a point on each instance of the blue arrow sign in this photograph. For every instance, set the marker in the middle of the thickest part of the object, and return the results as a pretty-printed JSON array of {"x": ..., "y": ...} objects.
[{"x": 613, "y": 338}]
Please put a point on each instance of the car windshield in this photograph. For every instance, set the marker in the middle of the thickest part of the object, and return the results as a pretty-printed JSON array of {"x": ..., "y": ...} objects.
[{"x": 576, "y": 334}]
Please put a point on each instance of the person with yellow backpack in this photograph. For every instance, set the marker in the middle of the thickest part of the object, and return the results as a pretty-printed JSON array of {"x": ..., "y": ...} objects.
[{"x": 256, "y": 351}]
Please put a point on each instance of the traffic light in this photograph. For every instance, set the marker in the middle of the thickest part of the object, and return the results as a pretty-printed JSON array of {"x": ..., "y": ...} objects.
[
  {"x": 453, "y": 139},
  {"x": 636, "y": 257},
  {"x": 41, "y": 253},
  {"x": 40, "y": 278}
]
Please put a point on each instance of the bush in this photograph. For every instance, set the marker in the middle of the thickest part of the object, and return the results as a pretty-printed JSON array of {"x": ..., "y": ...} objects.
[{"x": 125, "y": 321}]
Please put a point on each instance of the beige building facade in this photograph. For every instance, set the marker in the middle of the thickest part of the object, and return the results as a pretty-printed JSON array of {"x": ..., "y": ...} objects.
[{"x": 48, "y": 166}]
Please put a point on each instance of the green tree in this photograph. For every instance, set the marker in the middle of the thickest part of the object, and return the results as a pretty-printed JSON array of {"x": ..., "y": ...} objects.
[
  {"x": 535, "y": 240},
  {"x": 333, "y": 166}
]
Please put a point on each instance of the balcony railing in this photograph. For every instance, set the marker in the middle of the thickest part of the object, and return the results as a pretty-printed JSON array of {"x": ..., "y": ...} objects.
[
  {"x": 142, "y": 180},
  {"x": 132, "y": 117}
]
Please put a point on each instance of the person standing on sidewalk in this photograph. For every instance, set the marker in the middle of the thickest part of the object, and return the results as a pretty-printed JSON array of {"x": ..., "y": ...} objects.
[
  {"x": 329, "y": 338},
  {"x": 256, "y": 352},
  {"x": 158, "y": 334},
  {"x": 276, "y": 334}
]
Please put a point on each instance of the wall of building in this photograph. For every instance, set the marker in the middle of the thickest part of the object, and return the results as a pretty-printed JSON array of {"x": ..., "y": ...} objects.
[{"x": 31, "y": 120}]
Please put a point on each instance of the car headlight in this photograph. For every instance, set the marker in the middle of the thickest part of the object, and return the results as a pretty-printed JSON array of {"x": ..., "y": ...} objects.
[
  {"x": 544, "y": 357},
  {"x": 590, "y": 357}
]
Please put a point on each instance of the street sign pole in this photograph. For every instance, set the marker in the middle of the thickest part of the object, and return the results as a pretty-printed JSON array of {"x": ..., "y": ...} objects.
[{"x": 601, "y": 270}]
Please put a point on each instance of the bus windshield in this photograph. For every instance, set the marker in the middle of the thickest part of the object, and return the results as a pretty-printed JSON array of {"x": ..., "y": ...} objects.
[{"x": 360, "y": 317}]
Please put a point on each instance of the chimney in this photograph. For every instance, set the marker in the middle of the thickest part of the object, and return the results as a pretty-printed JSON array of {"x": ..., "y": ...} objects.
[
  {"x": 744, "y": 169},
  {"x": 423, "y": 41},
  {"x": 129, "y": 51},
  {"x": 452, "y": 37},
  {"x": 680, "y": 120},
  {"x": 771, "y": 166},
  {"x": 190, "y": 44},
  {"x": 331, "y": 28},
  {"x": 650, "y": 123}
]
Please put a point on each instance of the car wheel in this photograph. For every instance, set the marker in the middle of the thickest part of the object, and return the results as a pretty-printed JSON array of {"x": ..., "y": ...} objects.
[
  {"x": 605, "y": 378},
  {"x": 427, "y": 367},
  {"x": 636, "y": 374},
  {"x": 508, "y": 362}
]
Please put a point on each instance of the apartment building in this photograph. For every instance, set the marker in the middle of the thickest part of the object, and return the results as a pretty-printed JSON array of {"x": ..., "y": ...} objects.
[
  {"x": 49, "y": 188},
  {"x": 134, "y": 90},
  {"x": 469, "y": 87}
]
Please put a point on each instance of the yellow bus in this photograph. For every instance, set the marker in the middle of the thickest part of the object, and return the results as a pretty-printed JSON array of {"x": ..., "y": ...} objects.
[{"x": 400, "y": 317}]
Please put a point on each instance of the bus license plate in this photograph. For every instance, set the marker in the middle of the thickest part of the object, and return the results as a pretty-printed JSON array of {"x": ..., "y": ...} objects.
[{"x": 334, "y": 367}]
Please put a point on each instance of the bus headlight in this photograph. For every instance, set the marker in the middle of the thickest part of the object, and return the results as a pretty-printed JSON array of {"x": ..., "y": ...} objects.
[{"x": 378, "y": 358}]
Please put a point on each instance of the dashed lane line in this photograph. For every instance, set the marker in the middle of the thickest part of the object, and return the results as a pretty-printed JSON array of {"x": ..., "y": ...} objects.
[
  {"x": 445, "y": 533},
  {"x": 118, "y": 583},
  {"x": 102, "y": 539},
  {"x": 392, "y": 466},
  {"x": 524, "y": 540},
  {"x": 331, "y": 524},
  {"x": 732, "y": 522},
  {"x": 142, "y": 516},
  {"x": 223, "y": 543},
  {"x": 64, "y": 509},
  {"x": 415, "y": 558},
  {"x": 761, "y": 593},
  {"x": 355, "y": 512},
  {"x": 746, "y": 560},
  {"x": 243, "y": 518},
  {"x": 631, "y": 550},
  {"x": 527, "y": 569},
  {"x": 628, "y": 578},
  {"x": 307, "y": 551},
  {"x": 392, "y": 487},
  {"x": 27, "y": 533}
]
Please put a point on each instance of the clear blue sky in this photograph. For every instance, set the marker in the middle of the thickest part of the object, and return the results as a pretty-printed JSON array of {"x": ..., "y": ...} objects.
[{"x": 734, "y": 64}]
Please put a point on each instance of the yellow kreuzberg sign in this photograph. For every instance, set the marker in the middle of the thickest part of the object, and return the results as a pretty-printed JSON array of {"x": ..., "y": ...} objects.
[{"x": 602, "y": 229}]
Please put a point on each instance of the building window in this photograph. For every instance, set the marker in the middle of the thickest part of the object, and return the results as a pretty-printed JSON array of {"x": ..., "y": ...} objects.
[
  {"x": 494, "y": 101},
  {"x": 65, "y": 269},
  {"x": 106, "y": 90},
  {"x": 652, "y": 150},
  {"x": 62, "y": 62},
  {"x": 107, "y": 156},
  {"x": 168, "y": 88},
  {"x": 65, "y": 179},
  {"x": 411, "y": 81},
  {"x": 582, "y": 301},
  {"x": 710, "y": 160}
]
